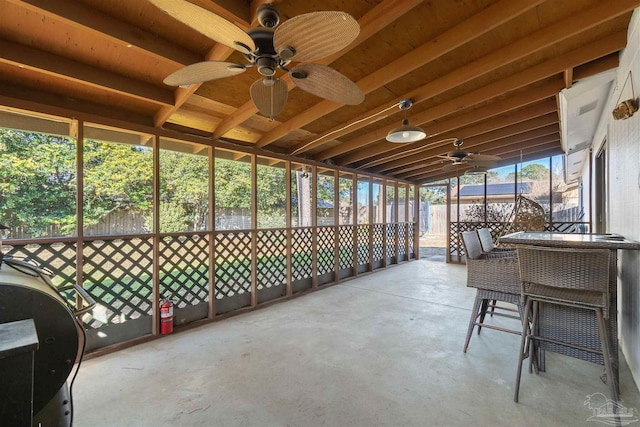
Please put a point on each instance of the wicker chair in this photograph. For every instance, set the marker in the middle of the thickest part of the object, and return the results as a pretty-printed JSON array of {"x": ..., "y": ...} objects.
[
  {"x": 496, "y": 278},
  {"x": 486, "y": 240},
  {"x": 565, "y": 278}
]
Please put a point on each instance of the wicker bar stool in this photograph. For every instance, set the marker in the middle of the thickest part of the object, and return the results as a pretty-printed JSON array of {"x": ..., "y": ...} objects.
[
  {"x": 496, "y": 278},
  {"x": 577, "y": 278}
]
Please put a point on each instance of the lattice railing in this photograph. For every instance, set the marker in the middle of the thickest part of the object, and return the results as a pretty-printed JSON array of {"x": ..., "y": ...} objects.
[
  {"x": 392, "y": 236},
  {"x": 326, "y": 249},
  {"x": 118, "y": 274},
  {"x": 272, "y": 258},
  {"x": 402, "y": 245},
  {"x": 363, "y": 244},
  {"x": 118, "y": 270},
  {"x": 568, "y": 227},
  {"x": 59, "y": 257},
  {"x": 233, "y": 263},
  {"x": 346, "y": 236},
  {"x": 378, "y": 242},
  {"x": 184, "y": 269},
  {"x": 301, "y": 255}
]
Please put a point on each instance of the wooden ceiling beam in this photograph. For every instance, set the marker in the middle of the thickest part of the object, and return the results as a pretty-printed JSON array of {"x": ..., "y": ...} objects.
[
  {"x": 375, "y": 20},
  {"x": 89, "y": 20},
  {"x": 516, "y": 101},
  {"x": 234, "y": 11},
  {"x": 442, "y": 130},
  {"x": 592, "y": 68},
  {"x": 539, "y": 126},
  {"x": 490, "y": 124},
  {"x": 508, "y": 154},
  {"x": 33, "y": 100},
  {"x": 568, "y": 78},
  {"x": 69, "y": 70},
  {"x": 468, "y": 30},
  {"x": 521, "y": 48},
  {"x": 582, "y": 55}
]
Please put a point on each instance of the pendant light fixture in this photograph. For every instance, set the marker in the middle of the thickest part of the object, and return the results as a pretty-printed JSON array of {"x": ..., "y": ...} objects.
[{"x": 406, "y": 132}]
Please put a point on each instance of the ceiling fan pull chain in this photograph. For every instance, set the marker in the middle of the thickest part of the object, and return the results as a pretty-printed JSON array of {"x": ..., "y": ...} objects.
[{"x": 271, "y": 116}]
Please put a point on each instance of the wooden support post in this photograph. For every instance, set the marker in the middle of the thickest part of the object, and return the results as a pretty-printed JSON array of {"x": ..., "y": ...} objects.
[
  {"x": 212, "y": 234},
  {"x": 448, "y": 233},
  {"x": 383, "y": 202},
  {"x": 406, "y": 219},
  {"x": 79, "y": 205},
  {"x": 396, "y": 234},
  {"x": 416, "y": 222},
  {"x": 354, "y": 221},
  {"x": 336, "y": 225},
  {"x": 370, "y": 225},
  {"x": 314, "y": 227},
  {"x": 155, "y": 275},
  {"x": 287, "y": 219},
  {"x": 254, "y": 233}
]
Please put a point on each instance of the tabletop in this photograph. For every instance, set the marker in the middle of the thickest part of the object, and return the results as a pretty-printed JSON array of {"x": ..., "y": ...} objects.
[{"x": 570, "y": 240}]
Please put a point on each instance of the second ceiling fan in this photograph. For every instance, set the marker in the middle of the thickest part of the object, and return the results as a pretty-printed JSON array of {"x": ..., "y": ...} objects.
[
  {"x": 272, "y": 47},
  {"x": 460, "y": 157}
]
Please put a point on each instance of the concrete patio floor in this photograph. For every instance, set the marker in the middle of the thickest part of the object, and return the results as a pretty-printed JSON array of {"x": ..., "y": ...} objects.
[{"x": 384, "y": 349}]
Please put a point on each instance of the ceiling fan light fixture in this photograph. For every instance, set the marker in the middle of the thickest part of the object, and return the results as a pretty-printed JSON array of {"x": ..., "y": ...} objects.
[
  {"x": 477, "y": 170},
  {"x": 406, "y": 132}
]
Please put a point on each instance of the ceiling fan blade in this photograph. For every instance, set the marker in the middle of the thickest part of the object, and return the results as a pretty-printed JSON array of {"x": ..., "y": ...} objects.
[
  {"x": 326, "y": 83},
  {"x": 269, "y": 96},
  {"x": 316, "y": 35},
  {"x": 482, "y": 164},
  {"x": 202, "y": 72},
  {"x": 208, "y": 23},
  {"x": 451, "y": 166},
  {"x": 482, "y": 158}
]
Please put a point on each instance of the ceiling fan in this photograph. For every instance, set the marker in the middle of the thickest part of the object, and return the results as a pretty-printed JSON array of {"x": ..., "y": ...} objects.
[
  {"x": 272, "y": 47},
  {"x": 460, "y": 157}
]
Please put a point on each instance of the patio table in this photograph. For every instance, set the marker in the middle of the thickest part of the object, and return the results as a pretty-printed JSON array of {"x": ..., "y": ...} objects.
[{"x": 572, "y": 324}]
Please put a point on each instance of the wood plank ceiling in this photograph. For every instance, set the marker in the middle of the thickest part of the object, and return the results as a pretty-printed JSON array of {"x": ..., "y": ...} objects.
[{"x": 486, "y": 71}]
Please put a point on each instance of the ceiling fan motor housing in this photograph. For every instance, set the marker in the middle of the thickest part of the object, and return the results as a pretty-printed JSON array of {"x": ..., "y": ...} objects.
[
  {"x": 268, "y": 16},
  {"x": 266, "y": 60}
]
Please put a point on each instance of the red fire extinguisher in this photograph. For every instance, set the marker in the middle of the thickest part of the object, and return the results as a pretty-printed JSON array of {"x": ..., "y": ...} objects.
[{"x": 166, "y": 316}]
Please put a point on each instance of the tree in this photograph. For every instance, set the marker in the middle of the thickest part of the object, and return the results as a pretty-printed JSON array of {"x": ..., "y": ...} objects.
[
  {"x": 184, "y": 182},
  {"x": 532, "y": 172},
  {"x": 435, "y": 195},
  {"x": 37, "y": 182},
  {"x": 117, "y": 177}
]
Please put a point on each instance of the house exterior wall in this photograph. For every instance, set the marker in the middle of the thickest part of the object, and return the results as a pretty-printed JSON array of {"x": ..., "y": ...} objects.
[{"x": 623, "y": 204}]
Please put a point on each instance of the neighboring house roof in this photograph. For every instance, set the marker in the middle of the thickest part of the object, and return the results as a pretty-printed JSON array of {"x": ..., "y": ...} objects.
[{"x": 501, "y": 189}]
